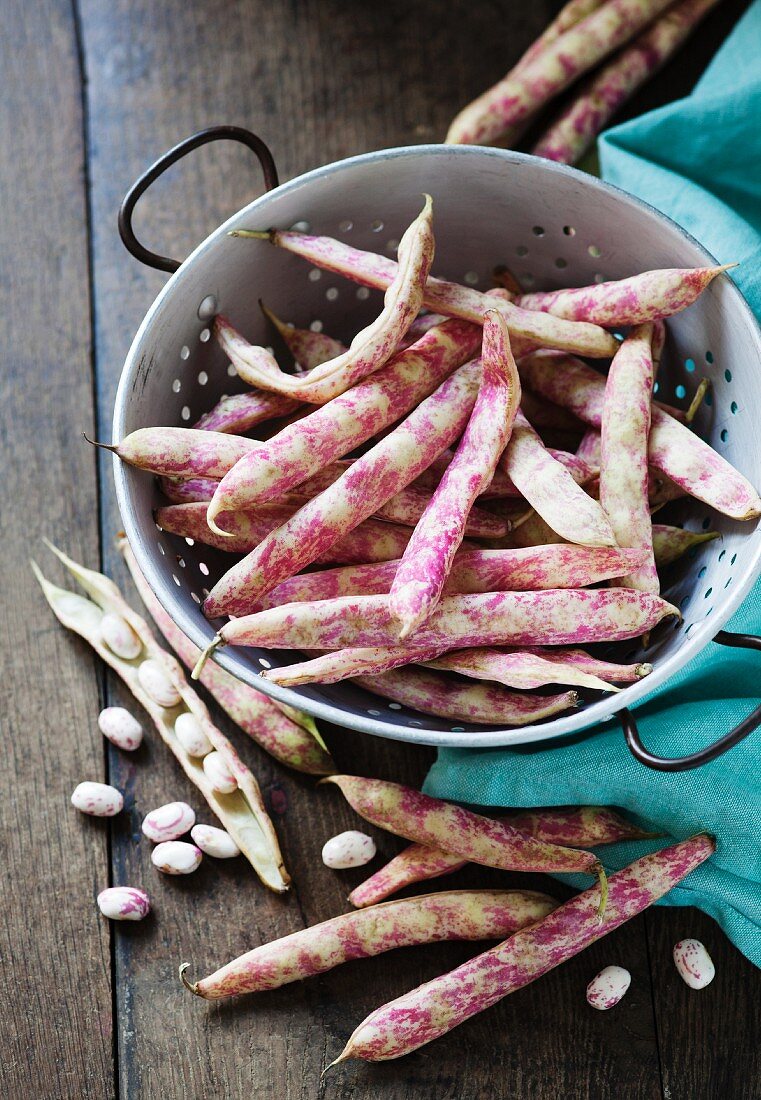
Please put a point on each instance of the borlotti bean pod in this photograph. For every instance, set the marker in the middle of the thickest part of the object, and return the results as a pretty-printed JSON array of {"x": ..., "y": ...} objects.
[{"x": 554, "y": 226}]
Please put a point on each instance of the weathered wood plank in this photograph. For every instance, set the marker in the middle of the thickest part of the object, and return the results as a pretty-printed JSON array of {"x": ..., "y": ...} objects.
[{"x": 54, "y": 946}]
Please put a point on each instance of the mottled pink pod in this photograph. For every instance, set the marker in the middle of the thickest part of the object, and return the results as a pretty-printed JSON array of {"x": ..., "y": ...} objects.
[
  {"x": 524, "y": 569},
  {"x": 693, "y": 964},
  {"x": 595, "y": 666},
  {"x": 670, "y": 543},
  {"x": 370, "y": 348},
  {"x": 553, "y": 617},
  {"x": 370, "y": 541},
  {"x": 569, "y": 15},
  {"x": 573, "y": 132},
  {"x": 435, "y": 1008},
  {"x": 427, "y": 561},
  {"x": 309, "y": 349},
  {"x": 576, "y": 827},
  {"x": 188, "y": 490},
  {"x": 290, "y": 738},
  {"x": 673, "y": 448},
  {"x": 239, "y": 412},
  {"x": 416, "y": 816},
  {"x": 516, "y": 669},
  {"x": 624, "y": 434},
  {"x": 301, "y": 450},
  {"x": 183, "y": 452},
  {"x": 452, "y": 915},
  {"x": 608, "y": 987},
  {"x": 502, "y": 110},
  {"x": 370, "y": 481},
  {"x": 450, "y": 299},
  {"x": 552, "y": 491}
]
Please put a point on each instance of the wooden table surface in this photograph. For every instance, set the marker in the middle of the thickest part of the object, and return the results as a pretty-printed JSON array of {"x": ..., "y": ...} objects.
[{"x": 91, "y": 94}]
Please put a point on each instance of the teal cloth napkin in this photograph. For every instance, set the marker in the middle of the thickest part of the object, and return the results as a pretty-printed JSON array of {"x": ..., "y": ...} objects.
[{"x": 699, "y": 161}]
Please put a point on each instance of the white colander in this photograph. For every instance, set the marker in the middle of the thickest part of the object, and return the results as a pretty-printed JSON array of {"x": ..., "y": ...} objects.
[{"x": 553, "y": 226}]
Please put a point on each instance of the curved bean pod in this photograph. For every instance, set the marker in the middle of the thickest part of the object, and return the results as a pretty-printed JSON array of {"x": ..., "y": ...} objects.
[
  {"x": 669, "y": 543},
  {"x": 242, "y": 812},
  {"x": 435, "y": 1008},
  {"x": 625, "y": 428},
  {"x": 182, "y": 452},
  {"x": 582, "y": 827},
  {"x": 433, "y": 918},
  {"x": 407, "y": 812},
  {"x": 370, "y": 348},
  {"x": 569, "y": 15},
  {"x": 309, "y": 349},
  {"x": 371, "y": 541},
  {"x": 504, "y": 108},
  {"x": 450, "y": 299},
  {"x": 552, "y": 491},
  {"x": 516, "y": 669},
  {"x": 372, "y": 480},
  {"x": 291, "y": 737},
  {"x": 427, "y": 561},
  {"x": 571, "y": 134},
  {"x": 645, "y": 297},
  {"x": 239, "y": 412},
  {"x": 672, "y": 447},
  {"x": 302, "y": 450},
  {"x": 557, "y": 616}
]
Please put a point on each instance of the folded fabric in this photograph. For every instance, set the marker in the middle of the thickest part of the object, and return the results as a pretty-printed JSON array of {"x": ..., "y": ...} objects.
[{"x": 699, "y": 161}]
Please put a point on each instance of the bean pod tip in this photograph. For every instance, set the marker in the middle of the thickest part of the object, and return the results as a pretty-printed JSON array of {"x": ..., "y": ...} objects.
[{"x": 190, "y": 986}]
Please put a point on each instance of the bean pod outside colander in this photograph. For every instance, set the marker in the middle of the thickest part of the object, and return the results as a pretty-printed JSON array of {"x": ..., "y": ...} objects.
[{"x": 554, "y": 226}]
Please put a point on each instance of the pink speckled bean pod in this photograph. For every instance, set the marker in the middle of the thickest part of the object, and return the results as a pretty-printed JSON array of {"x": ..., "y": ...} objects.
[
  {"x": 571, "y": 134},
  {"x": 309, "y": 349},
  {"x": 450, "y": 299},
  {"x": 182, "y": 452},
  {"x": 516, "y": 669},
  {"x": 301, "y": 450},
  {"x": 434, "y": 918},
  {"x": 558, "y": 616},
  {"x": 645, "y": 297},
  {"x": 501, "y": 487},
  {"x": 274, "y": 728},
  {"x": 409, "y": 813},
  {"x": 561, "y": 566},
  {"x": 569, "y": 15},
  {"x": 372, "y": 480},
  {"x": 435, "y": 1008},
  {"x": 427, "y": 561},
  {"x": 488, "y": 704},
  {"x": 552, "y": 491},
  {"x": 670, "y": 543},
  {"x": 188, "y": 490},
  {"x": 660, "y": 488},
  {"x": 624, "y": 434},
  {"x": 370, "y": 348},
  {"x": 578, "y": 827},
  {"x": 240, "y": 412},
  {"x": 673, "y": 448},
  {"x": 502, "y": 110},
  {"x": 371, "y": 541},
  {"x": 595, "y": 666}
]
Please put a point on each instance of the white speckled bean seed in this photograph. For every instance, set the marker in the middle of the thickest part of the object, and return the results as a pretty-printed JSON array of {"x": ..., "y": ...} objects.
[
  {"x": 169, "y": 822},
  {"x": 191, "y": 736},
  {"x": 119, "y": 636},
  {"x": 124, "y": 903},
  {"x": 607, "y": 989},
  {"x": 97, "y": 799},
  {"x": 214, "y": 842},
  {"x": 157, "y": 684},
  {"x": 176, "y": 857},
  {"x": 694, "y": 964},
  {"x": 121, "y": 728},
  {"x": 218, "y": 773},
  {"x": 350, "y": 849}
]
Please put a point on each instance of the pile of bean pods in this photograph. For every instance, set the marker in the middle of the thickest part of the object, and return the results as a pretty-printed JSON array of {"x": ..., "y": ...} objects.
[
  {"x": 418, "y": 464},
  {"x": 637, "y": 36}
]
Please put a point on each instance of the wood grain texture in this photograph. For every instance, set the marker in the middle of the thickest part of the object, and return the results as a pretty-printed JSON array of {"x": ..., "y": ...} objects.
[
  {"x": 54, "y": 946},
  {"x": 318, "y": 79}
]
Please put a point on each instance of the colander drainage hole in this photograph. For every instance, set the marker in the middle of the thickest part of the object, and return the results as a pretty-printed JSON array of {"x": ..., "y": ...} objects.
[
  {"x": 204, "y": 335},
  {"x": 331, "y": 293},
  {"x": 314, "y": 275},
  {"x": 315, "y": 326},
  {"x": 594, "y": 251},
  {"x": 703, "y": 572},
  {"x": 394, "y": 706},
  {"x": 569, "y": 231},
  {"x": 728, "y": 375},
  {"x": 207, "y": 308},
  {"x": 203, "y": 568},
  {"x": 264, "y": 662},
  {"x": 185, "y": 412},
  {"x": 363, "y": 293},
  {"x": 471, "y": 277},
  {"x": 176, "y": 580},
  {"x": 709, "y": 357},
  {"x": 184, "y": 352},
  {"x": 377, "y": 226},
  {"x": 680, "y": 391},
  {"x": 414, "y": 722},
  {"x": 599, "y": 277},
  {"x": 733, "y": 408},
  {"x": 392, "y": 245},
  {"x": 458, "y": 729},
  {"x": 345, "y": 226},
  {"x": 301, "y": 227},
  {"x": 231, "y": 370},
  {"x": 707, "y": 593},
  {"x": 521, "y": 251},
  {"x": 538, "y": 231},
  {"x": 722, "y": 555},
  {"x": 180, "y": 562},
  {"x": 195, "y": 597},
  {"x": 203, "y": 378},
  {"x": 728, "y": 582},
  {"x": 733, "y": 559},
  {"x": 176, "y": 386},
  {"x": 561, "y": 263},
  {"x": 162, "y": 551},
  {"x": 374, "y": 713},
  {"x": 724, "y": 435}
]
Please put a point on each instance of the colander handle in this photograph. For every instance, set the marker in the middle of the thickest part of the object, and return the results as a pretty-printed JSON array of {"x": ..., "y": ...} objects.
[
  {"x": 141, "y": 185},
  {"x": 695, "y": 759}
]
